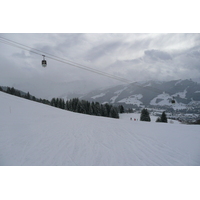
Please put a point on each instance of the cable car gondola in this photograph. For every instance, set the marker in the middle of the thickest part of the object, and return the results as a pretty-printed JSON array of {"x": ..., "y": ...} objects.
[
  {"x": 44, "y": 62},
  {"x": 173, "y": 101}
]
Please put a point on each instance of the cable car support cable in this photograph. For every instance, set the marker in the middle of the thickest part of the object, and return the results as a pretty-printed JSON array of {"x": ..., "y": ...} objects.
[{"x": 74, "y": 64}]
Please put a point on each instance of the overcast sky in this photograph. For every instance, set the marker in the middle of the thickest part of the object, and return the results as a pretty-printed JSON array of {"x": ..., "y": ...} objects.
[{"x": 136, "y": 57}]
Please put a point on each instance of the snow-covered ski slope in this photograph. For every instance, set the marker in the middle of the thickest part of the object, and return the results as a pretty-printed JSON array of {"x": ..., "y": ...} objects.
[{"x": 36, "y": 134}]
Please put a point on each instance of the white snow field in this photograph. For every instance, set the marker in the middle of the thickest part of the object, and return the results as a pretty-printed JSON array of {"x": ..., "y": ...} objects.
[{"x": 34, "y": 134}]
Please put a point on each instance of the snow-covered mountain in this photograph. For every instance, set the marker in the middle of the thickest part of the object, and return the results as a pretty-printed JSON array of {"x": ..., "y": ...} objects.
[
  {"x": 36, "y": 134},
  {"x": 150, "y": 93}
]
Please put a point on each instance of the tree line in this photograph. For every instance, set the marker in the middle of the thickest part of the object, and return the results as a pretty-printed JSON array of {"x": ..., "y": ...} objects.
[
  {"x": 74, "y": 105},
  {"x": 15, "y": 92},
  {"x": 86, "y": 107}
]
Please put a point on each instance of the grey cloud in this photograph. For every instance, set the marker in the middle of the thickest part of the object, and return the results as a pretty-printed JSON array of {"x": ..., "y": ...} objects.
[
  {"x": 156, "y": 54},
  {"x": 132, "y": 56},
  {"x": 21, "y": 55},
  {"x": 157, "y": 64},
  {"x": 194, "y": 54},
  {"x": 140, "y": 44},
  {"x": 101, "y": 50}
]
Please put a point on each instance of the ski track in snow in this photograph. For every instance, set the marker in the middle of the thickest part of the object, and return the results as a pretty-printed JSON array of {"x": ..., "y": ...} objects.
[{"x": 39, "y": 135}]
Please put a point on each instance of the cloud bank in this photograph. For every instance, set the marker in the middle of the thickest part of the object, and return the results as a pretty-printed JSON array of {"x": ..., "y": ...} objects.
[{"x": 136, "y": 57}]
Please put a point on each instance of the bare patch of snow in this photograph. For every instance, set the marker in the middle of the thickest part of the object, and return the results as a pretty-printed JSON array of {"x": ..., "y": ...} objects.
[
  {"x": 178, "y": 82},
  {"x": 133, "y": 99},
  {"x": 181, "y": 94},
  {"x": 164, "y": 99},
  {"x": 99, "y": 95}
]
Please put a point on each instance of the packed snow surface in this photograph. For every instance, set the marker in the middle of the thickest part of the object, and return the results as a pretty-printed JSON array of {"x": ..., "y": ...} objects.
[{"x": 36, "y": 134}]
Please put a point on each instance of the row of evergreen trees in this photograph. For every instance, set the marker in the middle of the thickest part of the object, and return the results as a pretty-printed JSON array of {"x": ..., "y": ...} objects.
[
  {"x": 85, "y": 107},
  {"x": 75, "y": 105},
  {"x": 13, "y": 91}
]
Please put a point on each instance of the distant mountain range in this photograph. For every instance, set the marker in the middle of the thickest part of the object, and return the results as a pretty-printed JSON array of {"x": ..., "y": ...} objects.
[
  {"x": 150, "y": 93},
  {"x": 186, "y": 94}
]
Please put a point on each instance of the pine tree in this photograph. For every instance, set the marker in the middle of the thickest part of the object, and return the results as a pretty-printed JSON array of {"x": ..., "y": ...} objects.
[
  {"x": 67, "y": 105},
  {"x": 145, "y": 115},
  {"x": 53, "y": 102},
  {"x": 61, "y": 103},
  {"x": 12, "y": 91},
  {"x": 17, "y": 93},
  {"x": 8, "y": 90},
  {"x": 88, "y": 107},
  {"x": 91, "y": 112},
  {"x": 121, "y": 109},
  {"x": 78, "y": 107},
  {"x": 27, "y": 96},
  {"x": 74, "y": 104},
  {"x": 97, "y": 109},
  {"x": 57, "y": 103},
  {"x": 34, "y": 98},
  {"x": 163, "y": 117},
  {"x": 114, "y": 112},
  {"x": 70, "y": 105},
  {"x": 108, "y": 108},
  {"x": 104, "y": 111}
]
